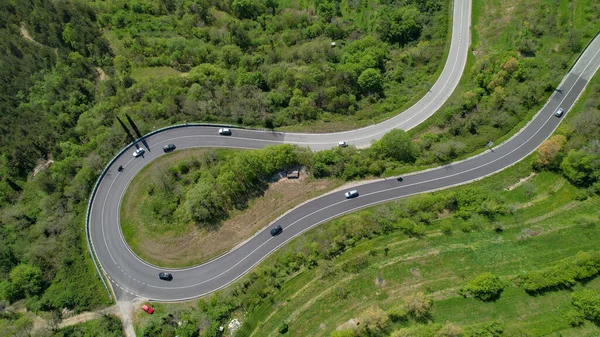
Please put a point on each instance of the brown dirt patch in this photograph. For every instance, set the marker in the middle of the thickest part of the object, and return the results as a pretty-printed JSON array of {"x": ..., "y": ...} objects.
[
  {"x": 198, "y": 245},
  {"x": 101, "y": 74}
]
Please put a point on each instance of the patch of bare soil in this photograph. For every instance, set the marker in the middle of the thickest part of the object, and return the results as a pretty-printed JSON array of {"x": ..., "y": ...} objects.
[
  {"x": 88, "y": 316},
  {"x": 25, "y": 34},
  {"x": 42, "y": 165},
  {"x": 101, "y": 74},
  {"x": 198, "y": 245}
]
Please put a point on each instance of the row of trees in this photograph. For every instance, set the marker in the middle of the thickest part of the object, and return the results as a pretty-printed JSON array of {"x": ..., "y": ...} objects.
[
  {"x": 575, "y": 151},
  {"x": 563, "y": 275}
]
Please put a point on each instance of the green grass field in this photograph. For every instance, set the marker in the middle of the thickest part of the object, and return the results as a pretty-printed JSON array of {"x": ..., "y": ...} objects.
[{"x": 543, "y": 230}]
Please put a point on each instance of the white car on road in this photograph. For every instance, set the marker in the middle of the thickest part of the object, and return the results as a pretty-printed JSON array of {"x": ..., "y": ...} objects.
[
  {"x": 139, "y": 152},
  {"x": 351, "y": 194}
]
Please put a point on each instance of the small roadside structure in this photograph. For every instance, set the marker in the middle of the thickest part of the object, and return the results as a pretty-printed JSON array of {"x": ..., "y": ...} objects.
[{"x": 293, "y": 174}]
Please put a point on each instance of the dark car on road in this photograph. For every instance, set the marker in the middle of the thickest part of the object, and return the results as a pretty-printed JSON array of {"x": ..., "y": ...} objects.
[
  {"x": 165, "y": 276},
  {"x": 276, "y": 230},
  {"x": 169, "y": 147}
]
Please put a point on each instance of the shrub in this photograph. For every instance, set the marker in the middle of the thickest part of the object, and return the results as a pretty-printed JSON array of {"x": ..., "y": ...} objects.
[
  {"x": 343, "y": 333},
  {"x": 587, "y": 303},
  {"x": 582, "y": 167},
  {"x": 449, "y": 330},
  {"x": 397, "y": 314},
  {"x": 486, "y": 287},
  {"x": 418, "y": 306},
  {"x": 356, "y": 264},
  {"x": 563, "y": 275},
  {"x": 549, "y": 150},
  {"x": 446, "y": 228},
  {"x": 396, "y": 145},
  {"x": 373, "y": 322},
  {"x": 491, "y": 329},
  {"x": 575, "y": 318},
  {"x": 283, "y": 328},
  {"x": 27, "y": 279}
]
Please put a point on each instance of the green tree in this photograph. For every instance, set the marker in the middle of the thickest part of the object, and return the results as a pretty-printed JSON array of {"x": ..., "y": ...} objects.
[
  {"x": 582, "y": 167},
  {"x": 8, "y": 291},
  {"x": 326, "y": 10},
  {"x": 68, "y": 35},
  {"x": 371, "y": 80},
  {"x": 587, "y": 302},
  {"x": 199, "y": 203},
  {"x": 247, "y": 9},
  {"x": 398, "y": 25},
  {"x": 397, "y": 314},
  {"x": 449, "y": 330},
  {"x": 486, "y": 287},
  {"x": 418, "y": 305},
  {"x": 396, "y": 145},
  {"x": 27, "y": 279},
  {"x": 239, "y": 35},
  {"x": 373, "y": 322}
]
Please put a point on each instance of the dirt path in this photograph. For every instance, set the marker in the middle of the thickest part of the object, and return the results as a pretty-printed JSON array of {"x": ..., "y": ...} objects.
[
  {"x": 25, "y": 34},
  {"x": 88, "y": 316},
  {"x": 123, "y": 310}
]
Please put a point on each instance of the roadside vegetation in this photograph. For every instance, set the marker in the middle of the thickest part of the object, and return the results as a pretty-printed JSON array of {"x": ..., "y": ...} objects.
[
  {"x": 512, "y": 255},
  {"x": 107, "y": 326},
  {"x": 58, "y": 109},
  {"x": 163, "y": 224},
  {"x": 272, "y": 63}
]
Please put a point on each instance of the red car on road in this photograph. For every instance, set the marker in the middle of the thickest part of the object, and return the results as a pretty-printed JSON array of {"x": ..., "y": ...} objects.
[{"x": 147, "y": 309}]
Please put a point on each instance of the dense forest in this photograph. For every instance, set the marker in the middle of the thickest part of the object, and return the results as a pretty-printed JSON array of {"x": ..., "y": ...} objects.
[
  {"x": 70, "y": 67},
  {"x": 259, "y": 63}
]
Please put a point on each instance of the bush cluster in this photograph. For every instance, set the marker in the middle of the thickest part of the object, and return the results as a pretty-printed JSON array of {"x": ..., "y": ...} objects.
[
  {"x": 229, "y": 186},
  {"x": 562, "y": 275},
  {"x": 486, "y": 287},
  {"x": 586, "y": 304}
]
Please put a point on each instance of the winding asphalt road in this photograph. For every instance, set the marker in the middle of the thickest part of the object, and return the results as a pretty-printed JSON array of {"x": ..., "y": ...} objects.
[{"x": 131, "y": 277}]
